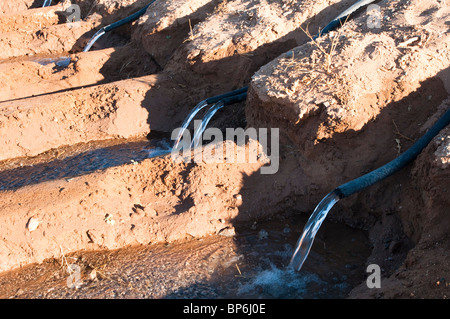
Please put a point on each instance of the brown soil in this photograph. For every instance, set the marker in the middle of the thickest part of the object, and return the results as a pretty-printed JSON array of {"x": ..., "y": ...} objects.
[{"x": 76, "y": 181}]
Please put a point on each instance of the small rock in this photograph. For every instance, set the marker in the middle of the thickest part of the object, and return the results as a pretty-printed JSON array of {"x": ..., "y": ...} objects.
[
  {"x": 93, "y": 275},
  {"x": 109, "y": 219},
  {"x": 227, "y": 232},
  {"x": 32, "y": 224},
  {"x": 394, "y": 247},
  {"x": 151, "y": 212}
]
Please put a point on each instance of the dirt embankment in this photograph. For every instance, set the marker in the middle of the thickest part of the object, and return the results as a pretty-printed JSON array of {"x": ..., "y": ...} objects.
[
  {"x": 354, "y": 100},
  {"x": 344, "y": 105},
  {"x": 16, "y": 6}
]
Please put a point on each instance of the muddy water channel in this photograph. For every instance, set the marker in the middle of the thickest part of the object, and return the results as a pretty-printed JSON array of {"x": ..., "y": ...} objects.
[
  {"x": 249, "y": 262},
  {"x": 71, "y": 161}
]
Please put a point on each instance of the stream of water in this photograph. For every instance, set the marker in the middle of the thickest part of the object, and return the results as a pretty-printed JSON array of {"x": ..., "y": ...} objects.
[
  {"x": 268, "y": 273},
  {"x": 188, "y": 120},
  {"x": 201, "y": 129},
  {"x": 309, "y": 232},
  {"x": 250, "y": 264},
  {"x": 61, "y": 62},
  {"x": 94, "y": 38},
  {"x": 76, "y": 160}
]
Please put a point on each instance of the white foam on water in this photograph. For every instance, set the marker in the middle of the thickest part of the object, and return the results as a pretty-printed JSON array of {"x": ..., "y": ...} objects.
[
  {"x": 279, "y": 283},
  {"x": 309, "y": 232}
]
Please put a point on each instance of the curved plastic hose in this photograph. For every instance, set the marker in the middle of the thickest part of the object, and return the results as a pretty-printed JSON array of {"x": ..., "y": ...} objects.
[
  {"x": 343, "y": 16},
  {"x": 129, "y": 19},
  {"x": 395, "y": 165},
  {"x": 217, "y": 98},
  {"x": 229, "y": 99},
  {"x": 234, "y": 98},
  {"x": 46, "y": 3},
  {"x": 329, "y": 27},
  {"x": 320, "y": 212},
  {"x": 115, "y": 25}
]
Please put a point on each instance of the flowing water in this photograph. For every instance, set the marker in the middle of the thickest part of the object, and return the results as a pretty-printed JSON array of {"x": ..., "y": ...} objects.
[
  {"x": 248, "y": 264},
  {"x": 188, "y": 120},
  {"x": 258, "y": 261},
  {"x": 61, "y": 62},
  {"x": 199, "y": 131},
  {"x": 85, "y": 158},
  {"x": 94, "y": 38},
  {"x": 71, "y": 161},
  {"x": 309, "y": 232},
  {"x": 253, "y": 262}
]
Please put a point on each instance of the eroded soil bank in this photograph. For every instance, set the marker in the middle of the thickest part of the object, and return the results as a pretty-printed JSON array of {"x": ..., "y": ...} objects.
[{"x": 76, "y": 130}]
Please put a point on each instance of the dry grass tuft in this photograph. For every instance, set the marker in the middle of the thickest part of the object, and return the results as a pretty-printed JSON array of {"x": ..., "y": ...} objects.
[{"x": 315, "y": 69}]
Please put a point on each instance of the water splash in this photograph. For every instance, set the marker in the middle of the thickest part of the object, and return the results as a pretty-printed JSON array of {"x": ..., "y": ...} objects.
[
  {"x": 162, "y": 149},
  {"x": 94, "y": 38},
  {"x": 199, "y": 131},
  {"x": 188, "y": 120},
  {"x": 279, "y": 283},
  {"x": 309, "y": 232}
]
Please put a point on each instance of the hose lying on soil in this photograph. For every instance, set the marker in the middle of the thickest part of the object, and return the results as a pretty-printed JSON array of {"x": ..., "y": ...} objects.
[
  {"x": 117, "y": 24},
  {"x": 340, "y": 19},
  {"x": 336, "y": 22},
  {"x": 322, "y": 209},
  {"x": 395, "y": 165},
  {"x": 217, "y": 98},
  {"x": 129, "y": 19}
]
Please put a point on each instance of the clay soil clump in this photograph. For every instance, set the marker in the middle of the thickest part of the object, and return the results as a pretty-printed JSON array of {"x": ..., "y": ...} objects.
[{"x": 77, "y": 128}]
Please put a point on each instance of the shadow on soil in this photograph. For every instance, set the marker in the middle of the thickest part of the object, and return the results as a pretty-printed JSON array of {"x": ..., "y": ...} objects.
[
  {"x": 271, "y": 202},
  {"x": 292, "y": 190}
]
